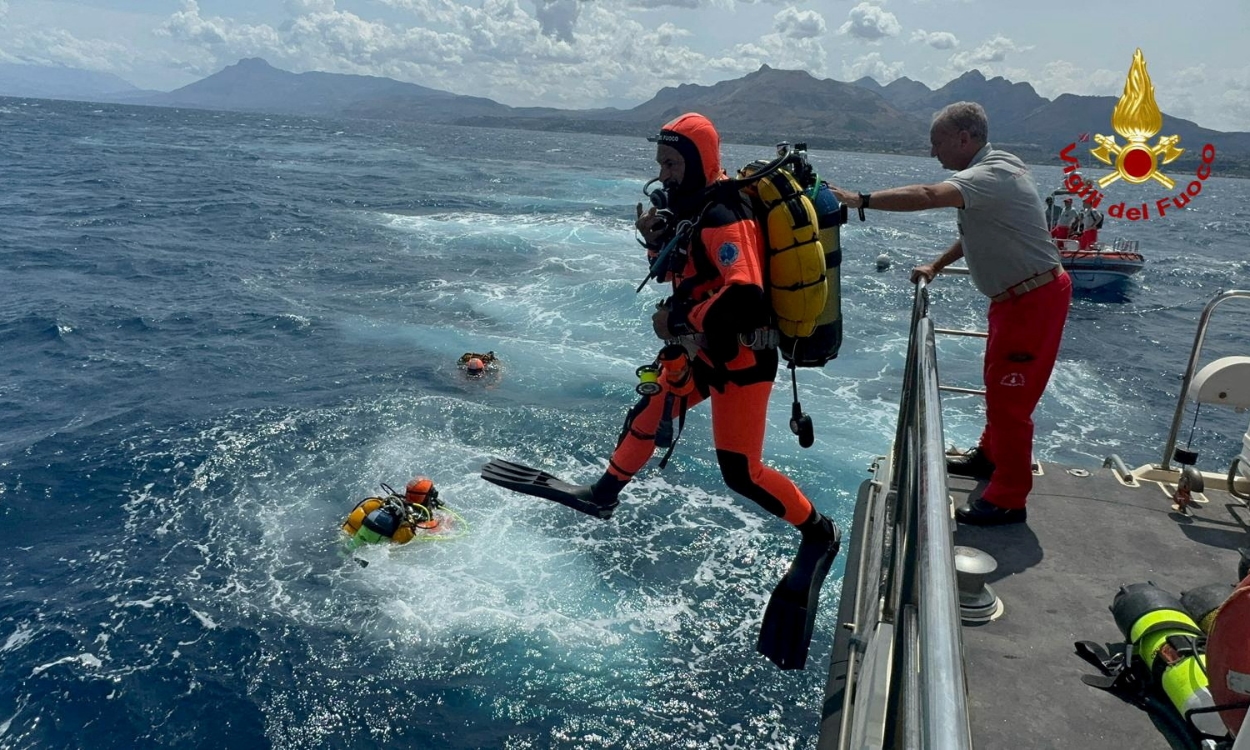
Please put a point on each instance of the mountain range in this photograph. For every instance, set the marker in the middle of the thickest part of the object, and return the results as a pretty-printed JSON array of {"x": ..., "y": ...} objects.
[
  {"x": 762, "y": 107},
  {"x": 48, "y": 82}
]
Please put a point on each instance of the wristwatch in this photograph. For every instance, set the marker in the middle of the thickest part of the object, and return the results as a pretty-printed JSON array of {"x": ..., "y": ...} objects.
[{"x": 864, "y": 200}]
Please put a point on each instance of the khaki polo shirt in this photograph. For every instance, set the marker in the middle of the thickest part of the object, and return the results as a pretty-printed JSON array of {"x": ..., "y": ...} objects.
[{"x": 1002, "y": 223}]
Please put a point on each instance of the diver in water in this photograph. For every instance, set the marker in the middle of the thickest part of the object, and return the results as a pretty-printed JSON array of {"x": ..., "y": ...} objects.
[
  {"x": 395, "y": 517},
  {"x": 478, "y": 365},
  {"x": 702, "y": 237}
]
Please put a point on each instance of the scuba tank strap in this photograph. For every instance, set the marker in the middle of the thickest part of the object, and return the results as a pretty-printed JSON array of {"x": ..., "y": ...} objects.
[
  {"x": 678, "y": 374},
  {"x": 1114, "y": 663},
  {"x": 1119, "y": 678},
  {"x": 1177, "y": 647},
  {"x": 681, "y": 424}
]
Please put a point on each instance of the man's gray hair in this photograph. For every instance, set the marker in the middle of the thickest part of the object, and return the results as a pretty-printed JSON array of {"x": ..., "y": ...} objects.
[{"x": 968, "y": 116}]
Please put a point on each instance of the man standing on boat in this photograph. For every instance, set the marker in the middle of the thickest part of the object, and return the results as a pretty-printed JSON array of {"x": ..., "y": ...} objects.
[
  {"x": 1014, "y": 262},
  {"x": 1089, "y": 220},
  {"x": 1067, "y": 218}
]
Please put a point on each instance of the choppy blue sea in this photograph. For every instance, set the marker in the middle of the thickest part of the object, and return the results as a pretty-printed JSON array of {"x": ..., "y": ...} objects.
[{"x": 219, "y": 331}]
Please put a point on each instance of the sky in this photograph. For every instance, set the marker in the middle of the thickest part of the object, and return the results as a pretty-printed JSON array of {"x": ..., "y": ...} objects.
[{"x": 597, "y": 53}]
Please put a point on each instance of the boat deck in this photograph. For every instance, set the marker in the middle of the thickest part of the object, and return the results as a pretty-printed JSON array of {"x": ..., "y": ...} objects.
[{"x": 1057, "y": 574}]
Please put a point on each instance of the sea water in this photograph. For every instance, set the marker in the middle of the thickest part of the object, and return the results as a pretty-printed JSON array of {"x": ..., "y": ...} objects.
[{"x": 220, "y": 331}]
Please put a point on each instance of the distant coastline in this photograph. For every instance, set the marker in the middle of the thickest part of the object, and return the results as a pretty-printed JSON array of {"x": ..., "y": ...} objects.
[{"x": 791, "y": 104}]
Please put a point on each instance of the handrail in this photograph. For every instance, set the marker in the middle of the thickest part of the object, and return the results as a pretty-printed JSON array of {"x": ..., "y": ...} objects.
[
  {"x": 944, "y": 711},
  {"x": 959, "y": 389},
  {"x": 1194, "y": 354},
  {"x": 927, "y": 703}
]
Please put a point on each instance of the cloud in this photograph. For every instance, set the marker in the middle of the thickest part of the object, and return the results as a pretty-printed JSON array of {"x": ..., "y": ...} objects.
[
  {"x": 993, "y": 50},
  {"x": 870, "y": 22},
  {"x": 4, "y": 7},
  {"x": 936, "y": 39},
  {"x": 668, "y": 3},
  {"x": 559, "y": 54},
  {"x": 1216, "y": 99},
  {"x": 219, "y": 36},
  {"x": 557, "y": 17},
  {"x": 721, "y": 4},
  {"x": 799, "y": 24},
  {"x": 1063, "y": 77},
  {"x": 778, "y": 52},
  {"x": 668, "y": 34},
  {"x": 794, "y": 44},
  {"x": 61, "y": 48},
  {"x": 1233, "y": 110},
  {"x": 873, "y": 66},
  {"x": 303, "y": 7}
]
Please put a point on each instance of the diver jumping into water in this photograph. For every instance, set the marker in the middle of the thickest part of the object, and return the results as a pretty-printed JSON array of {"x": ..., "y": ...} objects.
[{"x": 702, "y": 237}]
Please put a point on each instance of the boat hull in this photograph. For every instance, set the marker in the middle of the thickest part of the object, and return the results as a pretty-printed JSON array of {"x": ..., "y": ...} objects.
[
  {"x": 1091, "y": 278},
  {"x": 1098, "y": 269}
]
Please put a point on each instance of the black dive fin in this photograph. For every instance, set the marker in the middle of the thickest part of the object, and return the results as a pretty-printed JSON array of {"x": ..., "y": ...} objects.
[
  {"x": 539, "y": 483},
  {"x": 786, "y": 633}
]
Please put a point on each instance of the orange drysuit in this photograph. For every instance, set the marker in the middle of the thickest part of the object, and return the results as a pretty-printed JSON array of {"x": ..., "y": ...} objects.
[{"x": 718, "y": 293}]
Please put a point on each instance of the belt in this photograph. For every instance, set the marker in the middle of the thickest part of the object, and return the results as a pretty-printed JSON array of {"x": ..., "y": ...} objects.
[{"x": 1029, "y": 284}]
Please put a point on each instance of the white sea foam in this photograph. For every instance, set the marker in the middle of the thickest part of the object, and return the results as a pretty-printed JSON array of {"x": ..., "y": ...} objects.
[
  {"x": 86, "y": 660},
  {"x": 19, "y": 637}
]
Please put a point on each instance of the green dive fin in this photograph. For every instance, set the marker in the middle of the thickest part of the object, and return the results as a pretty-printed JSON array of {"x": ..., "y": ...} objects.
[
  {"x": 539, "y": 483},
  {"x": 786, "y": 632}
]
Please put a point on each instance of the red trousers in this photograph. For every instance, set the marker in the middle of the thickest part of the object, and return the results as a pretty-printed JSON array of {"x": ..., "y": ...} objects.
[
  {"x": 1060, "y": 232},
  {"x": 739, "y": 416},
  {"x": 1088, "y": 237},
  {"x": 1024, "y": 336}
]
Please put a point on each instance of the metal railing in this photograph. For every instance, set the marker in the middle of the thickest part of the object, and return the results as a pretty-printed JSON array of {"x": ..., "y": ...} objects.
[
  {"x": 905, "y": 682},
  {"x": 1195, "y": 353},
  {"x": 1118, "y": 245},
  {"x": 907, "y": 614},
  {"x": 1122, "y": 245}
]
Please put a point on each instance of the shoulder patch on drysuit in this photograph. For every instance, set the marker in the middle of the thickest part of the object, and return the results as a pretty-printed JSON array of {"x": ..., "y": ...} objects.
[{"x": 727, "y": 254}]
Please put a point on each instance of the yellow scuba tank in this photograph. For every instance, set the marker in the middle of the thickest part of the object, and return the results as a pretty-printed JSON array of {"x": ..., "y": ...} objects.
[
  {"x": 402, "y": 534},
  {"x": 824, "y": 342},
  {"x": 357, "y": 517},
  {"x": 802, "y": 268},
  {"x": 783, "y": 199},
  {"x": 794, "y": 259}
]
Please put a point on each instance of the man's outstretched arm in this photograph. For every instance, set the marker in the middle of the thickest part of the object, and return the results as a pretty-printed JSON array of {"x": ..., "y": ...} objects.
[{"x": 909, "y": 198}]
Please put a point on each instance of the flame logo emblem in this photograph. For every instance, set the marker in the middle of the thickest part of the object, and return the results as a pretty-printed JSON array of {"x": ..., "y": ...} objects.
[{"x": 1137, "y": 118}]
